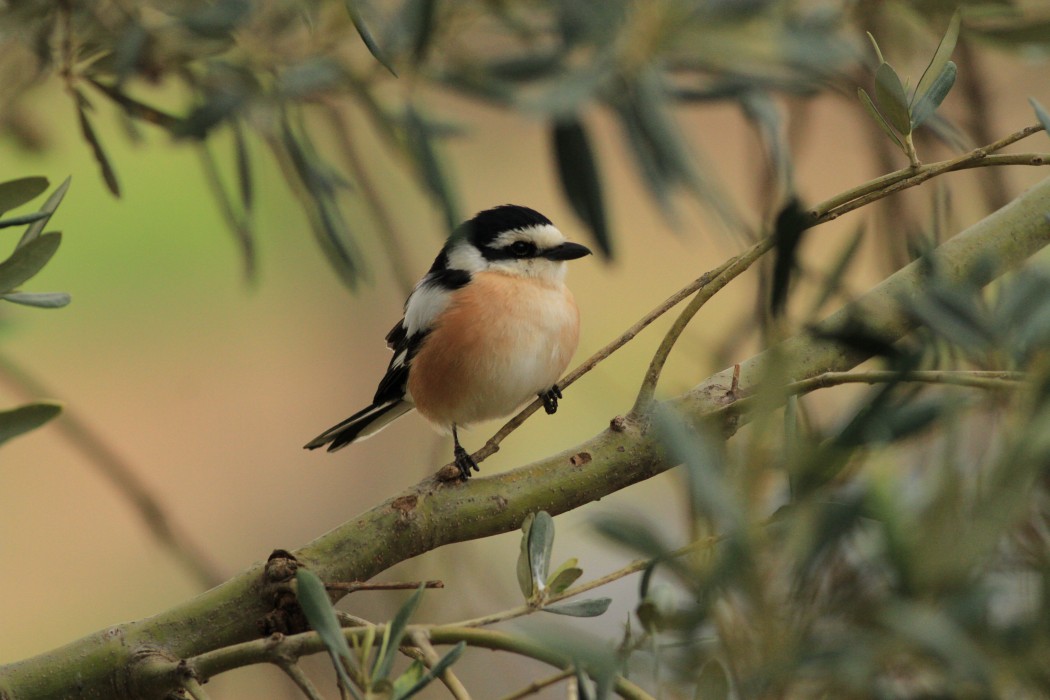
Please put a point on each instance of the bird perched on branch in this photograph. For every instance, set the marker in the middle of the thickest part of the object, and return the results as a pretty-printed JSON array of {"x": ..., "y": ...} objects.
[{"x": 491, "y": 325}]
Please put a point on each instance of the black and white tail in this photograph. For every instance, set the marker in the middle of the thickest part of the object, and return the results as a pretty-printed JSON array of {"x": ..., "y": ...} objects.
[{"x": 363, "y": 424}]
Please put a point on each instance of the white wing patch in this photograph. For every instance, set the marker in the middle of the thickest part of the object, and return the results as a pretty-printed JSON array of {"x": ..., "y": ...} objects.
[{"x": 426, "y": 303}]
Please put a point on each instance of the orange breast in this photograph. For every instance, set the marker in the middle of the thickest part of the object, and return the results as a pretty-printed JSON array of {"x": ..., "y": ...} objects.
[{"x": 501, "y": 341}]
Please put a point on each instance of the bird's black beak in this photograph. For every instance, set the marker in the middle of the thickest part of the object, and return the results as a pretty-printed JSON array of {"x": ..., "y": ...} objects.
[{"x": 566, "y": 251}]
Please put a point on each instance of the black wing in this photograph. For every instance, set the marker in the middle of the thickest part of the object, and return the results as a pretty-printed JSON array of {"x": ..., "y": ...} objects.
[{"x": 392, "y": 385}]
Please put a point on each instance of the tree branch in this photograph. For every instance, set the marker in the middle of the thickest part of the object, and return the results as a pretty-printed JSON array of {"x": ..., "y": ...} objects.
[{"x": 117, "y": 662}]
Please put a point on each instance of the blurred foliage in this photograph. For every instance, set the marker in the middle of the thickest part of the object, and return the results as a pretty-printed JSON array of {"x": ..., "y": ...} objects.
[
  {"x": 33, "y": 250},
  {"x": 902, "y": 551},
  {"x": 272, "y": 68},
  {"x": 283, "y": 72}
]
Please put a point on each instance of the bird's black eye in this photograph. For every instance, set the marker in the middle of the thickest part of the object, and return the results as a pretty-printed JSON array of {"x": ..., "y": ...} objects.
[{"x": 523, "y": 249}]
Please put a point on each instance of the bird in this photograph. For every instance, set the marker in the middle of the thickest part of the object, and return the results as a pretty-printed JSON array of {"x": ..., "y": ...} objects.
[{"x": 489, "y": 326}]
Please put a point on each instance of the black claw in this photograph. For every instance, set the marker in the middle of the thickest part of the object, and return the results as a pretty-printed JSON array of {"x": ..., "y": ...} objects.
[
  {"x": 464, "y": 462},
  {"x": 550, "y": 399}
]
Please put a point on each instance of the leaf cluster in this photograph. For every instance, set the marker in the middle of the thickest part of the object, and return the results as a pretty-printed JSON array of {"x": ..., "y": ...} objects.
[
  {"x": 292, "y": 74},
  {"x": 898, "y": 549},
  {"x": 31, "y": 253}
]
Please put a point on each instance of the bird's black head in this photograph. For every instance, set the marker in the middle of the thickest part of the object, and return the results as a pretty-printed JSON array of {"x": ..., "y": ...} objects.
[
  {"x": 511, "y": 239},
  {"x": 488, "y": 225}
]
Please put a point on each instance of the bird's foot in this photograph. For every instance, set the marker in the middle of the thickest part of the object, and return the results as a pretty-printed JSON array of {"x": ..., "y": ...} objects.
[
  {"x": 550, "y": 399},
  {"x": 464, "y": 462}
]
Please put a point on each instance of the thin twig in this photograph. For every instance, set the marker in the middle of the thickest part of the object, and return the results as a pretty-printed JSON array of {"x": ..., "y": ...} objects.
[
  {"x": 492, "y": 445},
  {"x": 300, "y": 679},
  {"x": 122, "y": 475},
  {"x": 191, "y": 686},
  {"x": 632, "y": 568},
  {"x": 430, "y": 658},
  {"x": 974, "y": 379},
  {"x": 973, "y": 82},
  {"x": 721, "y": 277},
  {"x": 826, "y": 211},
  {"x": 353, "y": 586},
  {"x": 537, "y": 686},
  {"x": 910, "y": 177}
]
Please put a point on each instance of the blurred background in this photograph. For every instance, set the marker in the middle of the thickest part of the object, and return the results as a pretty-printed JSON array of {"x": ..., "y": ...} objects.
[{"x": 207, "y": 383}]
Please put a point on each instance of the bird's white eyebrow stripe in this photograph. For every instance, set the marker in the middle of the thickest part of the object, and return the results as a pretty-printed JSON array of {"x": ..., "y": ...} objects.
[{"x": 544, "y": 236}]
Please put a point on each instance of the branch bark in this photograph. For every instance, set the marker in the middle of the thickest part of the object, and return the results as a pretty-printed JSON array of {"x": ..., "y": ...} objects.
[{"x": 132, "y": 659}]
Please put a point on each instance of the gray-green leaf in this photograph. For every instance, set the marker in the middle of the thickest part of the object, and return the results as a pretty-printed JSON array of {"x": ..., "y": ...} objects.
[
  {"x": 42, "y": 300},
  {"x": 541, "y": 542},
  {"x": 393, "y": 634},
  {"x": 939, "y": 60},
  {"x": 591, "y": 607},
  {"x": 24, "y": 219},
  {"x": 1040, "y": 113},
  {"x": 15, "y": 193},
  {"x": 893, "y": 102},
  {"x": 564, "y": 576},
  {"x": 924, "y": 107},
  {"x": 366, "y": 36},
  {"x": 16, "y": 421},
  {"x": 578, "y": 173},
  {"x": 713, "y": 682},
  {"x": 444, "y": 662},
  {"x": 877, "y": 116},
  {"x": 524, "y": 571},
  {"x": 50, "y": 205},
  {"x": 27, "y": 261},
  {"x": 316, "y": 605}
]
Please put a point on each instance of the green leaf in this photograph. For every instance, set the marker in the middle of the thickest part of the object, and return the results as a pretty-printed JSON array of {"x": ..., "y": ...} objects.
[
  {"x": 16, "y": 421},
  {"x": 713, "y": 682},
  {"x": 217, "y": 20},
  {"x": 244, "y": 168},
  {"x": 27, "y": 261},
  {"x": 937, "y": 64},
  {"x": 893, "y": 102},
  {"x": 24, "y": 219},
  {"x": 524, "y": 571},
  {"x": 875, "y": 45},
  {"x": 924, "y": 107},
  {"x": 43, "y": 300},
  {"x": 541, "y": 542},
  {"x": 443, "y": 663},
  {"x": 879, "y": 119},
  {"x": 1040, "y": 113},
  {"x": 316, "y": 605},
  {"x": 88, "y": 132},
  {"x": 408, "y": 680},
  {"x": 393, "y": 634},
  {"x": 366, "y": 36},
  {"x": 564, "y": 576},
  {"x": 37, "y": 227},
  {"x": 633, "y": 533},
  {"x": 709, "y": 492},
  {"x": 15, "y": 193},
  {"x": 326, "y": 219},
  {"x": 833, "y": 281},
  {"x": 421, "y": 148},
  {"x": 584, "y": 685},
  {"x": 578, "y": 174},
  {"x": 591, "y": 607},
  {"x": 789, "y": 229}
]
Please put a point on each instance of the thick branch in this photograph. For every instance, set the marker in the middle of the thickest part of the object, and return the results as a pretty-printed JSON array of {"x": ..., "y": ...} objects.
[{"x": 432, "y": 513}]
